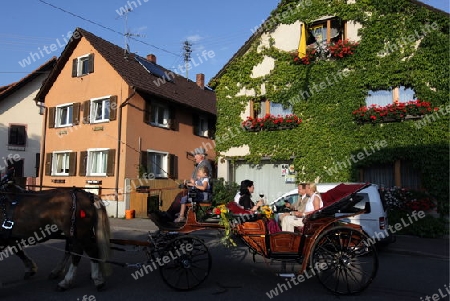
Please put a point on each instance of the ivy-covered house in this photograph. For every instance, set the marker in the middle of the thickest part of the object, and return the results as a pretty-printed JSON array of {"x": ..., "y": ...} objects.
[{"x": 336, "y": 91}]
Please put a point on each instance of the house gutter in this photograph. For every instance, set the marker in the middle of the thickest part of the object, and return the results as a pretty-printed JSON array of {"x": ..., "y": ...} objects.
[{"x": 119, "y": 142}]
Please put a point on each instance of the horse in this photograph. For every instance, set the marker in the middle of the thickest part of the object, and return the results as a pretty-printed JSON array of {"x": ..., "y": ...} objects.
[{"x": 71, "y": 213}]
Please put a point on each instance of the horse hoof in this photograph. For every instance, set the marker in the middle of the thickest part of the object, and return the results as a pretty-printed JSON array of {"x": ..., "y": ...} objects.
[
  {"x": 101, "y": 287},
  {"x": 60, "y": 288}
]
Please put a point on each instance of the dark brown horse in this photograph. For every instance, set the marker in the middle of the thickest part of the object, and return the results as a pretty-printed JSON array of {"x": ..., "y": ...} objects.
[{"x": 27, "y": 218}]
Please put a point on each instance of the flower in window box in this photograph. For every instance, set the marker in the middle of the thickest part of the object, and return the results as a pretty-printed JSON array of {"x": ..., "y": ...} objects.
[
  {"x": 392, "y": 112},
  {"x": 311, "y": 55},
  {"x": 342, "y": 48},
  {"x": 271, "y": 122}
]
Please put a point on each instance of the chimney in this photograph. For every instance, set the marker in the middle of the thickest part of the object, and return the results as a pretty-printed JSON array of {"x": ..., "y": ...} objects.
[
  {"x": 151, "y": 58},
  {"x": 200, "y": 79}
]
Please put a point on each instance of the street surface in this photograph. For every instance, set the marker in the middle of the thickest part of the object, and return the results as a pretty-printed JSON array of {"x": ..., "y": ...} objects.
[{"x": 234, "y": 276}]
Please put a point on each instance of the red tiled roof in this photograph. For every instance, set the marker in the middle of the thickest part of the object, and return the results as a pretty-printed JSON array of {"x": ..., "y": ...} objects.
[
  {"x": 9, "y": 89},
  {"x": 182, "y": 91}
]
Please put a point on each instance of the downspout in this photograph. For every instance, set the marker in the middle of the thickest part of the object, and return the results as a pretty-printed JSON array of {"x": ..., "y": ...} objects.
[
  {"x": 42, "y": 155},
  {"x": 119, "y": 142}
]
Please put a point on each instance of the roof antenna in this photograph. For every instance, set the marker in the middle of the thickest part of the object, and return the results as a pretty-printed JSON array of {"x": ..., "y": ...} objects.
[
  {"x": 127, "y": 33},
  {"x": 187, "y": 47}
]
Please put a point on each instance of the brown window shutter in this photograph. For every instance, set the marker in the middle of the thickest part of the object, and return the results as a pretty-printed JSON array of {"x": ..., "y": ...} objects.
[
  {"x": 87, "y": 111},
  {"x": 113, "y": 107},
  {"x": 195, "y": 124},
  {"x": 91, "y": 63},
  {"x": 48, "y": 164},
  {"x": 76, "y": 113},
  {"x": 211, "y": 128},
  {"x": 173, "y": 166},
  {"x": 147, "y": 112},
  {"x": 173, "y": 124},
  {"x": 73, "y": 164},
  {"x": 83, "y": 163},
  {"x": 51, "y": 117},
  {"x": 110, "y": 164},
  {"x": 143, "y": 162},
  {"x": 74, "y": 67}
]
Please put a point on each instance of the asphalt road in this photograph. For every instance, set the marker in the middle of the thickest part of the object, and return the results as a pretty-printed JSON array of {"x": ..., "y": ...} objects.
[{"x": 403, "y": 274}]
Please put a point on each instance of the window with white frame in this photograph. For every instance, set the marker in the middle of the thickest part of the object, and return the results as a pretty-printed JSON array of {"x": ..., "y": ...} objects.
[
  {"x": 83, "y": 65},
  {"x": 100, "y": 110},
  {"x": 202, "y": 127},
  {"x": 157, "y": 163},
  {"x": 97, "y": 162},
  {"x": 61, "y": 163},
  {"x": 383, "y": 98},
  {"x": 160, "y": 115},
  {"x": 271, "y": 108},
  {"x": 64, "y": 115}
]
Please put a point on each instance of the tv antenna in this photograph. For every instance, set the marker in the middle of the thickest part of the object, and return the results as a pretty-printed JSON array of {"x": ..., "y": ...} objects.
[
  {"x": 127, "y": 33},
  {"x": 187, "y": 47}
]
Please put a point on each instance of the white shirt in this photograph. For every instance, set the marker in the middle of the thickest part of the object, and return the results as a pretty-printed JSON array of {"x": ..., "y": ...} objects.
[{"x": 310, "y": 206}]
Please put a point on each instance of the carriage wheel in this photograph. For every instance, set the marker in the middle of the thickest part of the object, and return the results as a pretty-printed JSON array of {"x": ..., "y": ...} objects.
[
  {"x": 345, "y": 263},
  {"x": 186, "y": 263}
]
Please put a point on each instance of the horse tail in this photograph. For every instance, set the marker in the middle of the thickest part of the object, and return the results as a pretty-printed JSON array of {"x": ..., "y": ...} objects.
[{"x": 102, "y": 232}]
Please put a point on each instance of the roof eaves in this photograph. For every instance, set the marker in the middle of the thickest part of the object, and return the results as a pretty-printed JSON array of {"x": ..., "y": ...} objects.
[{"x": 9, "y": 89}]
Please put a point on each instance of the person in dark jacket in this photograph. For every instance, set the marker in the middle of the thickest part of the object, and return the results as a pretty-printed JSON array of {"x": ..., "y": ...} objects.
[{"x": 245, "y": 201}]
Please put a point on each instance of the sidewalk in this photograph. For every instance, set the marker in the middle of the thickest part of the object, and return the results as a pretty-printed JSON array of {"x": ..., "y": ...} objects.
[{"x": 404, "y": 244}]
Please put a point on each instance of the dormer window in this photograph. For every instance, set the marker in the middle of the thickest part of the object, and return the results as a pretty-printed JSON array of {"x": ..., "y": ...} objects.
[{"x": 83, "y": 65}]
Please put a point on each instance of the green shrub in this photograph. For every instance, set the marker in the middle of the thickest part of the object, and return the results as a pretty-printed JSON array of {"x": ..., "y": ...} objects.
[
  {"x": 428, "y": 226},
  {"x": 223, "y": 191}
]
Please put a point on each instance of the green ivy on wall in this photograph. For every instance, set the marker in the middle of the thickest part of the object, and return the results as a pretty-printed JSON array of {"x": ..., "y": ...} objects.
[{"x": 324, "y": 93}]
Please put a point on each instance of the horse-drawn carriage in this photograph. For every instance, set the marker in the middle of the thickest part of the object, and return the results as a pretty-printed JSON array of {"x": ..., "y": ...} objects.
[{"x": 339, "y": 253}]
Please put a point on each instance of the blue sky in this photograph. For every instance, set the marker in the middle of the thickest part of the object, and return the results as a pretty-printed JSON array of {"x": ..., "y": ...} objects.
[{"x": 218, "y": 27}]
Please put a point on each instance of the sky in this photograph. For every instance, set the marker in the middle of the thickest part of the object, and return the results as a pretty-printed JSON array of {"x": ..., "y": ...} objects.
[{"x": 33, "y": 31}]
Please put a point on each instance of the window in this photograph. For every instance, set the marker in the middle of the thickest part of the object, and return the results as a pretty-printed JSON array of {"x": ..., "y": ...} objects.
[
  {"x": 325, "y": 31},
  {"x": 17, "y": 135},
  {"x": 203, "y": 126},
  {"x": 61, "y": 163},
  {"x": 64, "y": 115},
  {"x": 385, "y": 97},
  {"x": 83, "y": 65},
  {"x": 97, "y": 162},
  {"x": 159, "y": 164},
  {"x": 160, "y": 115},
  {"x": 276, "y": 109},
  {"x": 100, "y": 110}
]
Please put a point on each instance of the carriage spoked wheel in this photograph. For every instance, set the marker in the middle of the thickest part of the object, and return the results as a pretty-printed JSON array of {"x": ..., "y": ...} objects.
[
  {"x": 186, "y": 263},
  {"x": 344, "y": 260}
]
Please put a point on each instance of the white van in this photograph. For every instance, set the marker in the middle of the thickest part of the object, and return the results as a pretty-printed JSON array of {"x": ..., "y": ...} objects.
[{"x": 374, "y": 223}]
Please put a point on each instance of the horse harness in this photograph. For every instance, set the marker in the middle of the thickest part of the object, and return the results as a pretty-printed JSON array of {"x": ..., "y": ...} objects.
[{"x": 7, "y": 208}]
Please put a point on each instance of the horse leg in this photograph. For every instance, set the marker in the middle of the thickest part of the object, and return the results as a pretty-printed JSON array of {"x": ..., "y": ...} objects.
[
  {"x": 97, "y": 275},
  {"x": 30, "y": 265},
  {"x": 61, "y": 267},
  {"x": 68, "y": 280},
  {"x": 92, "y": 251}
]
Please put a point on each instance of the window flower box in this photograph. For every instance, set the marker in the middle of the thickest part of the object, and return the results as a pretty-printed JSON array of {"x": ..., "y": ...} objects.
[
  {"x": 271, "y": 123},
  {"x": 395, "y": 112},
  {"x": 342, "y": 48}
]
